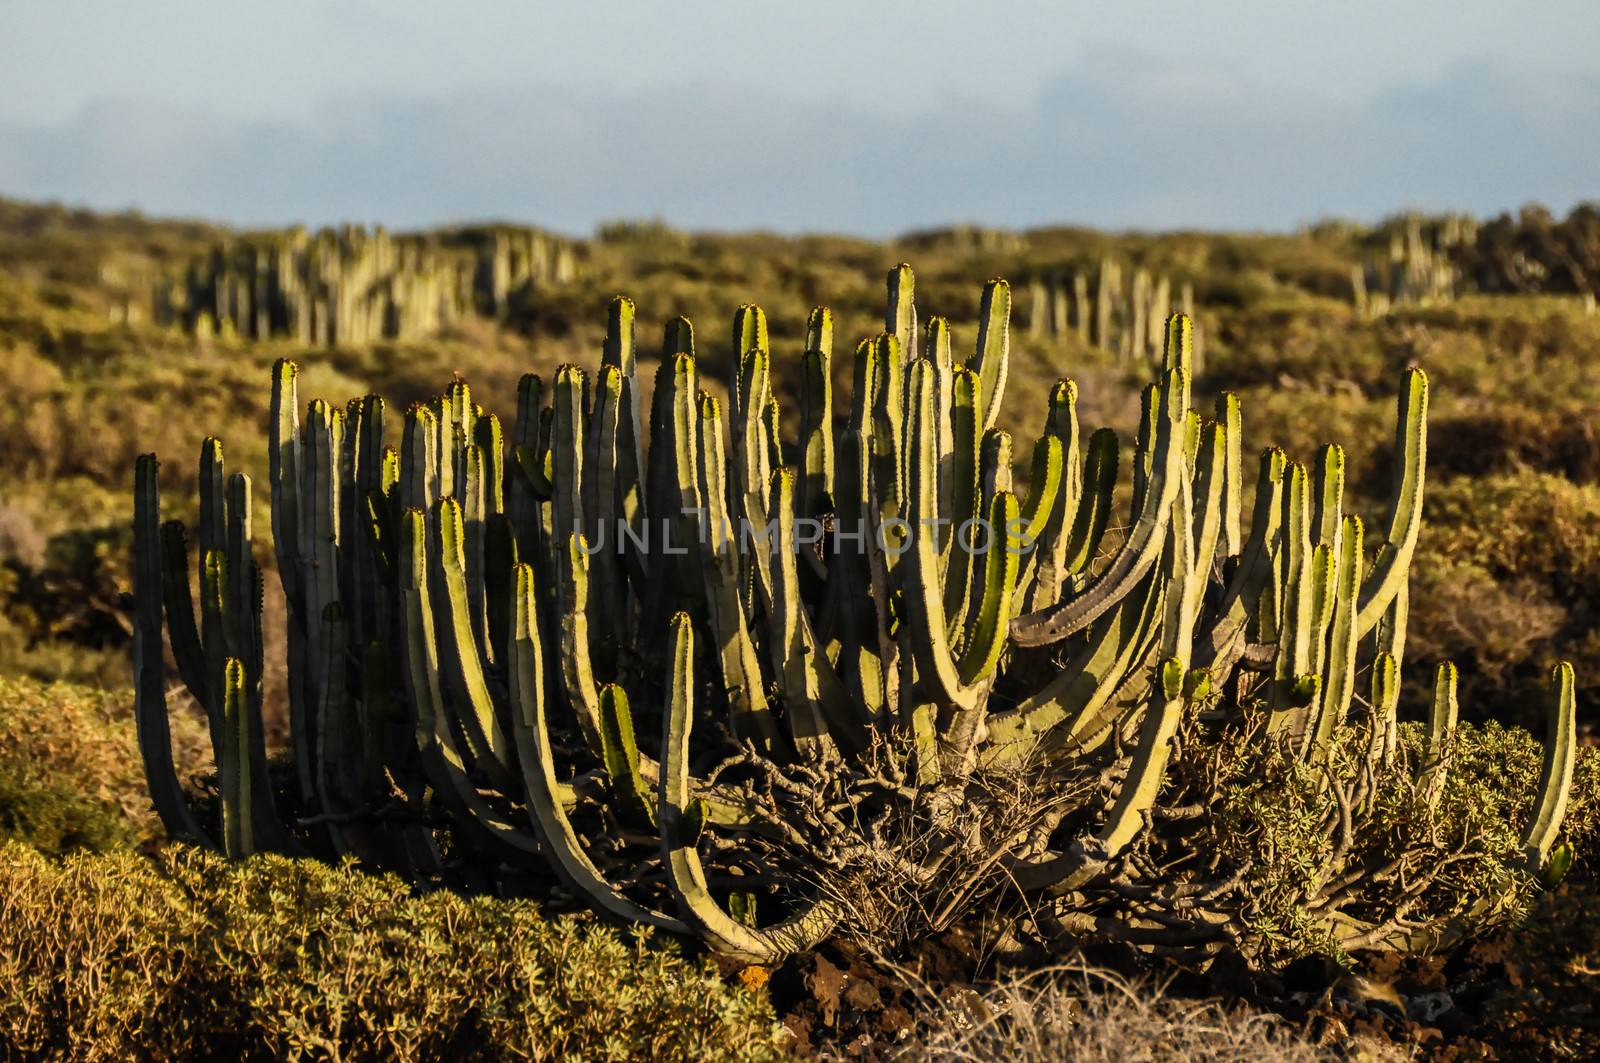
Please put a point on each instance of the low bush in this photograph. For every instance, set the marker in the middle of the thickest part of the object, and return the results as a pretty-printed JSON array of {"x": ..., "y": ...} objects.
[
  {"x": 1506, "y": 582},
  {"x": 70, "y": 773},
  {"x": 116, "y": 956}
]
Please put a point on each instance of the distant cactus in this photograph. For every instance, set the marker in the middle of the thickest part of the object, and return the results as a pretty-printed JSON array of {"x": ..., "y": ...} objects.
[
  {"x": 1124, "y": 318},
  {"x": 641, "y": 652},
  {"x": 350, "y": 285}
]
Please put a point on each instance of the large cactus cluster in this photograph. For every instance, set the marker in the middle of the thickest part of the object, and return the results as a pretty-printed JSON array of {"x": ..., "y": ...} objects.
[
  {"x": 727, "y": 681},
  {"x": 349, "y": 285},
  {"x": 1117, "y": 316}
]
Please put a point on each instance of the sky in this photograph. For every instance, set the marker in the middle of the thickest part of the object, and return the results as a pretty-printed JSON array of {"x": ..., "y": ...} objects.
[{"x": 871, "y": 116}]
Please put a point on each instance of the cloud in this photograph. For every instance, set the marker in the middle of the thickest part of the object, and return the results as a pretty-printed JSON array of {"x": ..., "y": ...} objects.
[{"x": 1119, "y": 140}]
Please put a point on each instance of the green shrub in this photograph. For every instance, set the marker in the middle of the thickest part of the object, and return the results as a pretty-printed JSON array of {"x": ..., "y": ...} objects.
[
  {"x": 70, "y": 773},
  {"x": 1506, "y": 582},
  {"x": 116, "y": 956}
]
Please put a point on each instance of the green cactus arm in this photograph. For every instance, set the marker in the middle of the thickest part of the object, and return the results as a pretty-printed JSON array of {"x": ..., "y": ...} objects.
[
  {"x": 1085, "y": 684},
  {"x": 214, "y": 594},
  {"x": 339, "y": 754},
  {"x": 1144, "y": 442},
  {"x": 749, "y": 334},
  {"x": 320, "y": 451},
  {"x": 816, "y": 434},
  {"x": 937, "y": 349},
  {"x": 621, "y": 353},
  {"x": 660, "y": 579},
  {"x": 1297, "y": 608},
  {"x": 966, "y": 500},
  {"x": 677, "y": 337},
  {"x": 1073, "y": 699},
  {"x": 683, "y": 416},
  {"x": 687, "y": 876},
  {"x": 372, "y": 568},
  {"x": 821, "y": 714},
  {"x": 848, "y": 601},
  {"x": 149, "y": 663},
  {"x": 238, "y": 834},
  {"x": 601, "y": 491},
  {"x": 283, "y": 461},
  {"x": 458, "y": 653},
  {"x": 520, "y": 495},
  {"x": 991, "y": 359},
  {"x": 1048, "y": 560},
  {"x": 1385, "y": 699},
  {"x": 1555, "y": 775},
  {"x": 1324, "y": 583},
  {"x": 884, "y": 545},
  {"x": 925, "y": 595},
  {"x": 178, "y": 599},
  {"x": 1441, "y": 735},
  {"x": 750, "y": 716},
  {"x": 870, "y": 493},
  {"x": 1094, "y": 503},
  {"x": 567, "y": 451},
  {"x": 471, "y": 493},
  {"x": 212, "y": 530},
  {"x": 887, "y": 421},
  {"x": 215, "y": 591},
  {"x": 1226, "y": 640},
  {"x": 1405, "y": 504},
  {"x": 865, "y": 373},
  {"x": 772, "y": 430},
  {"x": 370, "y": 455},
  {"x": 1229, "y": 416},
  {"x": 1044, "y": 489},
  {"x": 981, "y": 653},
  {"x": 421, "y": 673},
  {"x": 1328, "y": 496},
  {"x": 1209, "y": 484},
  {"x": 900, "y": 315},
  {"x": 243, "y": 626},
  {"x": 994, "y": 476},
  {"x": 1137, "y": 794},
  {"x": 819, "y": 330},
  {"x": 577, "y": 675},
  {"x": 1139, "y": 550},
  {"x": 1339, "y": 671},
  {"x": 490, "y": 438},
  {"x": 531, "y": 730},
  {"x": 751, "y": 452},
  {"x": 419, "y": 456},
  {"x": 533, "y": 471},
  {"x": 1178, "y": 349},
  {"x": 634, "y": 803},
  {"x": 1390, "y": 635}
]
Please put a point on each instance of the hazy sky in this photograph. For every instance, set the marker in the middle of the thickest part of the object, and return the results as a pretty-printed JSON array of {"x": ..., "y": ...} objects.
[{"x": 864, "y": 116}]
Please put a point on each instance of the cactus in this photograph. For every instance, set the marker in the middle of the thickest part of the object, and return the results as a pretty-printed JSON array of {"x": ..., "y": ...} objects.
[
  {"x": 352, "y": 286},
  {"x": 609, "y": 662}
]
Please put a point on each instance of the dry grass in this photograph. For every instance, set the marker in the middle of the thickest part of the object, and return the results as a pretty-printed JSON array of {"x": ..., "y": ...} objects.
[{"x": 1085, "y": 1015}]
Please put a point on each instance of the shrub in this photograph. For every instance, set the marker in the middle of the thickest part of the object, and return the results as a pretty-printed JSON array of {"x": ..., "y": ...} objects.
[
  {"x": 1507, "y": 577},
  {"x": 70, "y": 773},
  {"x": 115, "y": 956}
]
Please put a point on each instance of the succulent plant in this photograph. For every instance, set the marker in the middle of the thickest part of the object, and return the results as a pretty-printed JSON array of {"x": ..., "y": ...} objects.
[
  {"x": 352, "y": 285},
  {"x": 700, "y": 673}
]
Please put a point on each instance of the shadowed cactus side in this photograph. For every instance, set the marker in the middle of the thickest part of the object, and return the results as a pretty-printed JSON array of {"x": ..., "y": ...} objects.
[{"x": 696, "y": 672}]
